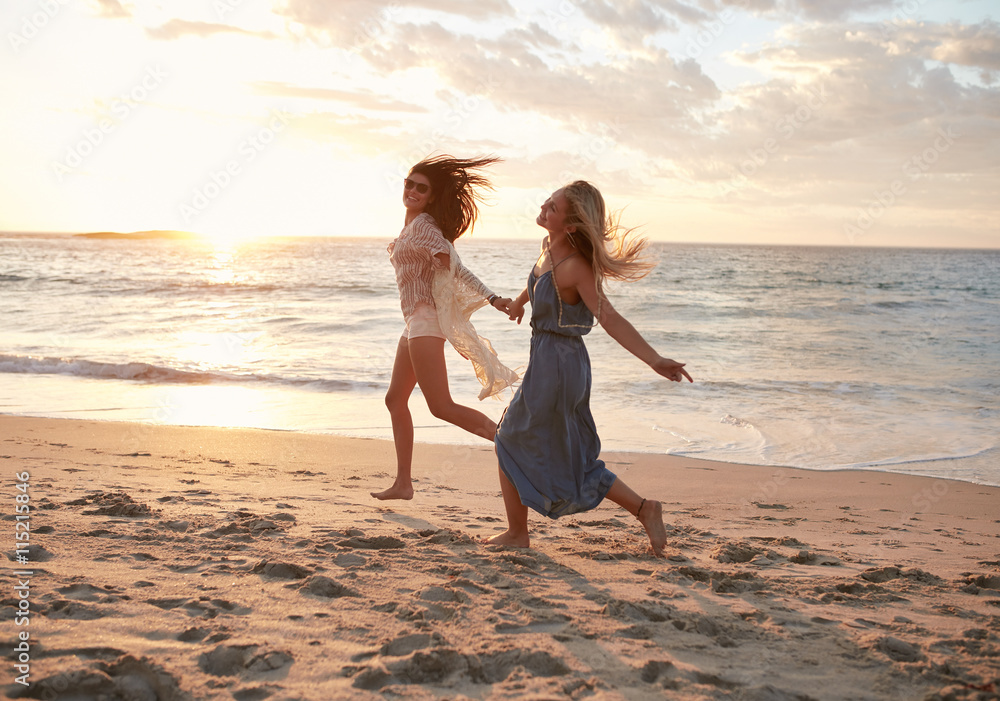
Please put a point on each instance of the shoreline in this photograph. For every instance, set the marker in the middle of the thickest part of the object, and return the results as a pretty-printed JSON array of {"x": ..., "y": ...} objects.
[
  {"x": 441, "y": 428},
  {"x": 215, "y": 563}
]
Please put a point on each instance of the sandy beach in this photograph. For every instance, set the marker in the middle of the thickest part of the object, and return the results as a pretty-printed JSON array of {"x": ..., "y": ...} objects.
[{"x": 193, "y": 563}]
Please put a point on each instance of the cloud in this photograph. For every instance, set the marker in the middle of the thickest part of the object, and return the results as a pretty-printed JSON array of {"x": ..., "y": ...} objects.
[
  {"x": 354, "y": 23},
  {"x": 178, "y": 28},
  {"x": 976, "y": 45},
  {"x": 844, "y": 113},
  {"x": 647, "y": 87},
  {"x": 362, "y": 99},
  {"x": 840, "y": 102},
  {"x": 825, "y": 10},
  {"x": 819, "y": 10},
  {"x": 112, "y": 9},
  {"x": 633, "y": 18}
]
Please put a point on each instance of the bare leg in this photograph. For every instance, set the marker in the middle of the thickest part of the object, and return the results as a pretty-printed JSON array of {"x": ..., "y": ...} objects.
[
  {"x": 427, "y": 361},
  {"x": 397, "y": 400},
  {"x": 650, "y": 515},
  {"x": 517, "y": 517}
]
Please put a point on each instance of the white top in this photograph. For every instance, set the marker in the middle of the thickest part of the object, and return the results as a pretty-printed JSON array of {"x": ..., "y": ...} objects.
[
  {"x": 412, "y": 256},
  {"x": 453, "y": 291}
]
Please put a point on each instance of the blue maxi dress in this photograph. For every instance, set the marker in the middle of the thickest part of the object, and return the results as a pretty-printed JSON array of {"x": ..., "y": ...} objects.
[{"x": 547, "y": 443}]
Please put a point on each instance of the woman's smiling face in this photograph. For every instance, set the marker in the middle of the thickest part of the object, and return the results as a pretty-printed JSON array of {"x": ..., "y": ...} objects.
[
  {"x": 413, "y": 199},
  {"x": 552, "y": 217}
]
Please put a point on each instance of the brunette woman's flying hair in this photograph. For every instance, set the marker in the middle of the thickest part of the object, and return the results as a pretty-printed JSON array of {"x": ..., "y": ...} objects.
[{"x": 455, "y": 191}]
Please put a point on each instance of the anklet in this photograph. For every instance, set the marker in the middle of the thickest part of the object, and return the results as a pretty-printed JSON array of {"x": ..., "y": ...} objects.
[{"x": 639, "y": 510}]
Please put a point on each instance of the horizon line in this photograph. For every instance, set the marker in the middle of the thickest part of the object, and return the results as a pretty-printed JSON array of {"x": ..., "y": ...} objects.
[{"x": 174, "y": 234}]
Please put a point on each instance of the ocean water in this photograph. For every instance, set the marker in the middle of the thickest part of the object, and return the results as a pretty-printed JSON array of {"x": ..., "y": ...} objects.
[{"x": 820, "y": 358}]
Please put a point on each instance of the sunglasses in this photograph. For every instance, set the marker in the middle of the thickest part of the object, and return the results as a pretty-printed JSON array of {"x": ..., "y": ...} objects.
[{"x": 422, "y": 188}]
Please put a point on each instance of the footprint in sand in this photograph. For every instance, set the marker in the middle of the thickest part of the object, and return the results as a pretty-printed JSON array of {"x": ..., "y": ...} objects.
[
  {"x": 655, "y": 612},
  {"x": 513, "y": 562},
  {"x": 808, "y": 557},
  {"x": 735, "y": 551},
  {"x": 205, "y": 606},
  {"x": 88, "y": 592},
  {"x": 653, "y": 670},
  {"x": 973, "y": 583},
  {"x": 410, "y": 643},
  {"x": 885, "y": 574},
  {"x": 243, "y": 661},
  {"x": 193, "y": 635},
  {"x": 381, "y": 542},
  {"x": 720, "y": 582},
  {"x": 36, "y": 553},
  {"x": 178, "y": 526},
  {"x": 246, "y": 525},
  {"x": 438, "y": 594},
  {"x": 444, "y": 536},
  {"x": 112, "y": 504},
  {"x": 256, "y": 693},
  {"x": 349, "y": 560},
  {"x": 127, "y": 677},
  {"x": 74, "y": 610},
  {"x": 327, "y": 588},
  {"x": 281, "y": 570},
  {"x": 896, "y": 649},
  {"x": 446, "y": 665}
]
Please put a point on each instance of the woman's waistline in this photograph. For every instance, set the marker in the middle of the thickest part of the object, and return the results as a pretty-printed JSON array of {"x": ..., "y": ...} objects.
[{"x": 546, "y": 332}]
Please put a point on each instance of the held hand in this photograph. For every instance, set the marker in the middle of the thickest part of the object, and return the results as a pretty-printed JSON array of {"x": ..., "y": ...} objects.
[
  {"x": 670, "y": 369},
  {"x": 515, "y": 311},
  {"x": 502, "y": 304}
]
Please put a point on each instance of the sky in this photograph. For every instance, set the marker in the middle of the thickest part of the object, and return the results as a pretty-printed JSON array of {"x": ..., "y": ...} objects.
[{"x": 847, "y": 122}]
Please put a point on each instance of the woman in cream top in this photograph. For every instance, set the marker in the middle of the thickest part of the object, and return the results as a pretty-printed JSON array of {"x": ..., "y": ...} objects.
[{"x": 438, "y": 295}]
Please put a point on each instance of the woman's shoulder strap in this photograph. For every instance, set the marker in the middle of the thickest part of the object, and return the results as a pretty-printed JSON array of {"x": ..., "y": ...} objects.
[{"x": 563, "y": 260}]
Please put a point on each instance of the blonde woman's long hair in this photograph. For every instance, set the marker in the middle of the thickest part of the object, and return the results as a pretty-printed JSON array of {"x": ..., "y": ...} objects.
[{"x": 613, "y": 250}]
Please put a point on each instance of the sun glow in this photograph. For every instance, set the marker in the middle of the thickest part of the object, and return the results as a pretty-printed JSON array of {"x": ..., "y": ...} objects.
[{"x": 225, "y": 242}]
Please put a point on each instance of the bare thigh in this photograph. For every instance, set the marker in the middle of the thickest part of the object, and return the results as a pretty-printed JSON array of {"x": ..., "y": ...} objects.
[
  {"x": 403, "y": 378},
  {"x": 430, "y": 370}
]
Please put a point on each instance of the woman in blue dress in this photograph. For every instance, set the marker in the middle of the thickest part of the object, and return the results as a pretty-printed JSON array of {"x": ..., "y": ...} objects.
[{"x": 547, "y": 444}]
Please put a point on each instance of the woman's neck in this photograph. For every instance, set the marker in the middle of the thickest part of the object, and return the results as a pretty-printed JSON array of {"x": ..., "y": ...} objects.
[{"x": 559, "y": 247}]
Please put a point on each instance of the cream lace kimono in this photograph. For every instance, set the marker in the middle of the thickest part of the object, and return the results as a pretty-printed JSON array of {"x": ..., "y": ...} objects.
[{"x": 457, "y": 294}]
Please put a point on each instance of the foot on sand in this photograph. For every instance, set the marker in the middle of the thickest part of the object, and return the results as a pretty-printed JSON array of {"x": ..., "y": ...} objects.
[
  {"x": 396, "y": 491},
  {"x": 510, "y": 540},
  {"x": 651, "y": 517}
]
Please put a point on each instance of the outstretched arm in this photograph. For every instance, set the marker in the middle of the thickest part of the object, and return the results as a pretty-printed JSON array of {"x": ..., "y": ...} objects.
[
  {"x": 619, "y": 328},
  {"x": 579, "y": 274}
]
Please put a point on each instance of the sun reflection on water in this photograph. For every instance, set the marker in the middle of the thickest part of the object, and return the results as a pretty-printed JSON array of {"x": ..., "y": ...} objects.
[{"x": 220, "y": 266}]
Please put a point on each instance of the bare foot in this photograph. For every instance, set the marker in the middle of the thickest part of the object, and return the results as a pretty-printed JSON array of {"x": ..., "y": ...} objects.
[
  {"x": 395, "y": 492},
  {"x": 510, "y": 540},
  {"x": 651, "y": 518}
]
